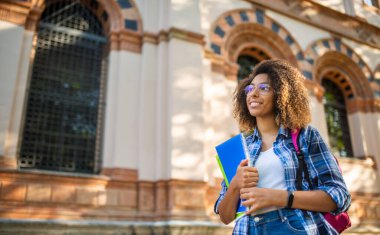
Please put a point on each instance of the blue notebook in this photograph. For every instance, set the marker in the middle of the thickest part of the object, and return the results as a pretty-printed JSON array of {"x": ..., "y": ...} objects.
[{"x": 230, "y": 154}]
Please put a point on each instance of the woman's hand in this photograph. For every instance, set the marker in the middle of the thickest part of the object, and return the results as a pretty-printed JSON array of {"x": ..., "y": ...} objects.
[
  {"x": 257, "y": 198},
  {"x": 246, "y": 176}
]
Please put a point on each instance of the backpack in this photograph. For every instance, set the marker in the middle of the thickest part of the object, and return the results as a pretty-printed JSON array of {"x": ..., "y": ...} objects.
[{"x": 339, "y": 222}]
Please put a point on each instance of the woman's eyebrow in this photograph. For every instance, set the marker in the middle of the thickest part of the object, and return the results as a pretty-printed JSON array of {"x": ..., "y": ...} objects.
[{"x": 259, "y": 83}]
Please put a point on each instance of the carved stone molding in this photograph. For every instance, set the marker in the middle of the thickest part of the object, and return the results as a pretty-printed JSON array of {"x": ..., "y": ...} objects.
[
  {"x": 325, "y": 18},
  {"x": 132, "y": 41},
  {"x": 62, "y": 196},
  {"x": 334, "y": 61},
  {"x": 315, "y": 88},
  {"x": 120, "y": 174},
  {"x": 361, "y": 105},
  {"x": 8, "y": 162},
  {"x": 126, "y": 40},
  {"x": 236, "y": 32},
  {"x": 14, "y": 12},
  {"x": 186, "y": 36},
  {"x": 151, "y": 38},
  {"x": 115, "y": 195},
  {"x": 181, "y": 34},
  {"x": 40, "y": 226},
  {"x": 106, "y": 11}
]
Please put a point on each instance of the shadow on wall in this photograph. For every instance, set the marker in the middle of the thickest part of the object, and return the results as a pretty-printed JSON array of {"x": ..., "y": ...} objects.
[{"x": 188, "y": 130}]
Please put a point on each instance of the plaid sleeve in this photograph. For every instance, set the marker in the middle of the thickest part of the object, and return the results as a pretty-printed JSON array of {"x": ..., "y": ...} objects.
[
  {"x": 325, "y": 171},
  {"x": 220, "y": 198}
]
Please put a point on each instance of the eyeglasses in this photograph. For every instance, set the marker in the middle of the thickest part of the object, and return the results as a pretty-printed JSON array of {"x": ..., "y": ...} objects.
[{"x": 263, "y": 89}]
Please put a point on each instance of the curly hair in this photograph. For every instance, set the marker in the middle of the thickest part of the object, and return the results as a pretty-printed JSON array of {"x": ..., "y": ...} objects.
[{"x": 291, "y": 100}]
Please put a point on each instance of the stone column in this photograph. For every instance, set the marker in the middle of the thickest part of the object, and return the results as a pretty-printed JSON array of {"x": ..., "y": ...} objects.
[
  {"x": 15, "y": 47},
  {"x": 120, "y": 150}
]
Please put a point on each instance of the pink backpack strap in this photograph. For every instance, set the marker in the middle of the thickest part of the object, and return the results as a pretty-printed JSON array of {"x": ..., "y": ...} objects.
[
  {"x": 338, "y": 222},
  {"x": 294, "y": 139}
]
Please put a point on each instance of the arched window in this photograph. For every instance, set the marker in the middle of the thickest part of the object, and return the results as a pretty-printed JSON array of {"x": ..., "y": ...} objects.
[
  {"x": 63, "y": 123},
  {"x": 336, "y": 118},
  {"x": 248, "y": 59},
  {"x": 246, "y": 64}
]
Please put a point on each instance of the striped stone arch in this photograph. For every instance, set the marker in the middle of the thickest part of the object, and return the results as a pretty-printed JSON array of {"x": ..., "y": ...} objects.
[
  {"x": 332, "y": 59},
  {"x": 320, "y": 47},
  {"x": 120, "y": 19},
  {"x": 129, "y": 36},
  {"x": 253, "y": 20},
  {"x": 106, "y": 11},
  {"x": 130, "y": 15}
]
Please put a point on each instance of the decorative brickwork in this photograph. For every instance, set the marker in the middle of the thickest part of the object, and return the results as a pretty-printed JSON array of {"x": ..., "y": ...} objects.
[
  {"x": 120, "y": 20},
  {"x": 332, "y": 59},
  {"x": 235, "y": 31},
  {"x": 131, "y": 15},
  {"x": 325, "y": 18},
  {"x": 320, "y": 47},
  {"x": 8, "y": 162},
  {"x": 26, "y": 195},
  {"x": 14, "y": 12}
]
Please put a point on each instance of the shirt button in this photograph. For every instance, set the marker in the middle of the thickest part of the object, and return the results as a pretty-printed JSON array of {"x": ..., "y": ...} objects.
[{"x": 256, "y": 219}]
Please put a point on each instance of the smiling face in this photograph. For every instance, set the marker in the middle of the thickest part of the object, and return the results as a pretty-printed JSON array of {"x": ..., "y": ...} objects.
[{"x": 260, "y": 98}]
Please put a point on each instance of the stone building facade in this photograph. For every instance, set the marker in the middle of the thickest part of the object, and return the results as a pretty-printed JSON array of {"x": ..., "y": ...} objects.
[{"x": 110, "y": 109}]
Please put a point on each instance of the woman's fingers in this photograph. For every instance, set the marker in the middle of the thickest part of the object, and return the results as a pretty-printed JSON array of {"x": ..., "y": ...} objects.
[
  {"x": 246, "y": 192},
  {"x": 250, "y": 179},
  {"x": 248, "y": 174},
  {"x": 243, "y": 163},
  {"x": 250, "y": 184},
  {"x": 255, "y": 198},
  {"x": 247, "y": 202}
]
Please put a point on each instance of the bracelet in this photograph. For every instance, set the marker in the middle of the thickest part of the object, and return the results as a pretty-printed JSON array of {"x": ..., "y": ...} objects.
[{"x": 290, "y": 200}]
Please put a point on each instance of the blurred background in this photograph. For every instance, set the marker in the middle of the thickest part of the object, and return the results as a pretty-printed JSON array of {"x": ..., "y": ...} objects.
[{"x": 110, "y": 110}]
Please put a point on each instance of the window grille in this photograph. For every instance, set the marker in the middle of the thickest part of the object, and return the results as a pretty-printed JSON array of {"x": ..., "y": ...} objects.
[
  {"x": 246, "y": 65},
  {"x": 336, "y": 118},
  {"x": 63, "y": 117},
  {"x": 248, "y": 59}
]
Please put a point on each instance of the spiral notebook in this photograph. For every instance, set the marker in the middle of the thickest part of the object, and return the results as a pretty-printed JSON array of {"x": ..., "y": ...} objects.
[{"x": 230, "y": 154}]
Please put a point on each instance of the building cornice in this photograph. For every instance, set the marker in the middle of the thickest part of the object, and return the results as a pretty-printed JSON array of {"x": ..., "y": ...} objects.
[
  {"x": 126, "y": 40},
  {"x": 167, "y": 35},
  {"x": 181, "y": 34},
  {"x": 325, "y": 18},
  {"x": 14, "y": 12}
]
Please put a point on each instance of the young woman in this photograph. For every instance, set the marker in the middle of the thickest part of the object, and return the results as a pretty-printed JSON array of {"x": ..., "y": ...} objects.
[{"x": 269, "y": 104}]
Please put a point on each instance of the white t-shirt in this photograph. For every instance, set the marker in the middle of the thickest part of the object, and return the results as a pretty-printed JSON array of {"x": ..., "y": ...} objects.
[
  {"x": 271, "y": 174},
  {"x": 271, "y": 171}
]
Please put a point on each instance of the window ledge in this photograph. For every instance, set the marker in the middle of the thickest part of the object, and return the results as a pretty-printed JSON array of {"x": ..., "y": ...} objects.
[{"x": 56, "y": 173}]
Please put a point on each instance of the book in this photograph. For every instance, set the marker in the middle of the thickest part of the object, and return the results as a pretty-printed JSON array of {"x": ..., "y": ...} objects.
[{"x": 230, "y": 154}]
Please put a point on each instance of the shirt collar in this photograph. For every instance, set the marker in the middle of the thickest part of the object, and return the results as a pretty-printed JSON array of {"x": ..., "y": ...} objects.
[{"x": 282, "y": 131}]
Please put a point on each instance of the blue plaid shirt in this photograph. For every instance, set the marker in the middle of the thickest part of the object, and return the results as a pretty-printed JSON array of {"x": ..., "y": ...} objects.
[{"x": 323, "y": 170}]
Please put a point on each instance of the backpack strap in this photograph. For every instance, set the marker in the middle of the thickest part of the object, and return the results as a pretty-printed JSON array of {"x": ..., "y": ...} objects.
[{"x": 302, "y": 167}]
